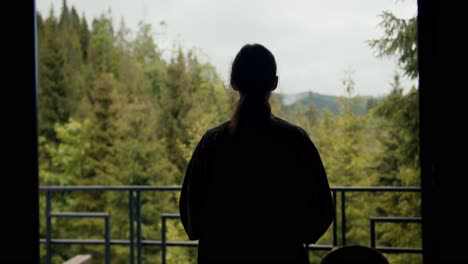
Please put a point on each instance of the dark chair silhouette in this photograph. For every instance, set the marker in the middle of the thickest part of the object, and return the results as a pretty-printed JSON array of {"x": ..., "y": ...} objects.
[{"x": 354, "y": 254}]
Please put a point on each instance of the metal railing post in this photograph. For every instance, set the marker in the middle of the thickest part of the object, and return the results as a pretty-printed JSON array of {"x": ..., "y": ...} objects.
[
  {"x": 163, "y": 240},
  {"x": 335, "y": 222},
  {"x": 343, "y": 218},
  {"x": 372, "y": 233},
  {"x": 107, "y": 237},
  {"x": 138, "y": 210},
  {"x": 48, "y": 229},
  {"x": 132, "y": 228}
]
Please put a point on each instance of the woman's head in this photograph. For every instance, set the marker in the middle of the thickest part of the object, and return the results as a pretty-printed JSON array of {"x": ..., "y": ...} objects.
[
  {"x": 254, "y": 71},
  {"x": 253, "y": 74}
]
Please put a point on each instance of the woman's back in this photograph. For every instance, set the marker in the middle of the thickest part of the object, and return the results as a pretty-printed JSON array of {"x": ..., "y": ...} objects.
[{"x": 258, "y": 187}]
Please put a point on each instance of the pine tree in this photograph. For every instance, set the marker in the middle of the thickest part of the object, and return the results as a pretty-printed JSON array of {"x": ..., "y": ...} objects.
[
  {"x": 73, "y": 61},
  {"x": 64, "y": 20},
  {"x": 53, "y": 104},
  {"x": 75, "y": 22},
  {"x": 84, "y": 37},
  {"x": 101, "y": 52},
  {"x": 147, "y": 54},
  {"x": 104, "y": 134},
  {"x": 399, "y": 40},
  {"x": 175, "y": 103}
]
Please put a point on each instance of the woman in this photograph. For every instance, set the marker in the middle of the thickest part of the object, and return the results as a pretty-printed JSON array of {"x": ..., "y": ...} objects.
[{"x": 255, "y": 189}]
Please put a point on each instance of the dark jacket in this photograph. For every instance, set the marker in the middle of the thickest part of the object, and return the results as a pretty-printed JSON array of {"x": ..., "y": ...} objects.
[{"x": 255, "y": 195}]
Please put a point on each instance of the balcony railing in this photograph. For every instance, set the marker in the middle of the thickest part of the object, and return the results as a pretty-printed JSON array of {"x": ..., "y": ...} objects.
[{"x": 134, "y": 208}]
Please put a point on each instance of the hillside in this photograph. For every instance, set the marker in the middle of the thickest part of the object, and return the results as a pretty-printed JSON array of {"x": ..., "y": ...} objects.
[{"x": 321, "y": 102}]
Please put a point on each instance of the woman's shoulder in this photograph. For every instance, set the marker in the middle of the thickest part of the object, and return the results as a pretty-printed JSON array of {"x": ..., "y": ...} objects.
[
  {"x": 289, "y": 128},
  {"x": 295, "y": 135},
  {"x": 215, "y": 133},
  {"x": 217, "y": 130}
]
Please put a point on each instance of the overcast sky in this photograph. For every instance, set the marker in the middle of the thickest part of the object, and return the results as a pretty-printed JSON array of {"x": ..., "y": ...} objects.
[{"x": 314, "y": 41}]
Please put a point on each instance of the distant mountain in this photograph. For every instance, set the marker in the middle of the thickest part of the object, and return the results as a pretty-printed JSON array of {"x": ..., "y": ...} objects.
[{"x": 290, "y": 101}]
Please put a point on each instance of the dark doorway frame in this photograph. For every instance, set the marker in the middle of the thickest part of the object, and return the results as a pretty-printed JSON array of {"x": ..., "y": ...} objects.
[{"x": 441, "y": 174}]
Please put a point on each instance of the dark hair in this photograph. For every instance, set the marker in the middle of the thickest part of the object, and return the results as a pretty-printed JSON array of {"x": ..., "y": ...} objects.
[{"x": 254, "y": 74}]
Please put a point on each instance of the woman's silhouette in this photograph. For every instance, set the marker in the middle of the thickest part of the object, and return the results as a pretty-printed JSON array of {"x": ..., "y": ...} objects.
[{"x": 255, "y": 189}]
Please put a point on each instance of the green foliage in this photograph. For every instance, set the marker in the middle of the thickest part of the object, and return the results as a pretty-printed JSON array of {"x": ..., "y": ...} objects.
[
  {"x": 174, "y": 105},
  {"x": 397, "y": 162},
  {"x": 84, "y": 35},
  {"x": 53, "y": 101},
  {"x": 102, "y": 55},
  {"x": 400, "y": 40}
]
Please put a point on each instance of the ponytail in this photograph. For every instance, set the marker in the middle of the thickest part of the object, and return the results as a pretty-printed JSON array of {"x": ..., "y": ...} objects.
[{"x": 250, "y": 108}]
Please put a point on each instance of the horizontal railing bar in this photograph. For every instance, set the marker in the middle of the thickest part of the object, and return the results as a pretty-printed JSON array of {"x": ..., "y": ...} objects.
[
  {"x": 145, "y": 242},
  {"x": 397, "y": 219},
  {"x": 114, "y": 242},
  {"x": 320, "y": 247},
  {"x": 181, "y": 243},
  {"x": 79, "y": 215},
  {"x": 178, "y": 188},
  {"x": 84, "y": 241},
  {"x": 110, "y": 188},
  {"x": 170, "y": 216},
  {"x": 375, "y": 189},
  {"x": 399, "y": 250}
]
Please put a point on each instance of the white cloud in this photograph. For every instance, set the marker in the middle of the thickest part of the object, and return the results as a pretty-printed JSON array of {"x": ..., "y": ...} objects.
[{"x": 313, "y": 41}]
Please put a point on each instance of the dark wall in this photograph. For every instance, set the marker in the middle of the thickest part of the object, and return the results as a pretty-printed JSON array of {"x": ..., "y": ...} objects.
[
  {"x": 19, "y": 164},
  {"x": 444, "y": 164}
]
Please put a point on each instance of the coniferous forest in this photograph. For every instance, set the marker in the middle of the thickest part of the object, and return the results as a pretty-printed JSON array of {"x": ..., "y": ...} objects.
[{"x": 114, "y": 111}]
